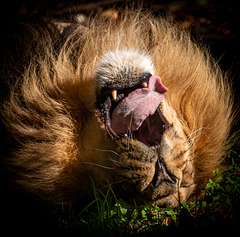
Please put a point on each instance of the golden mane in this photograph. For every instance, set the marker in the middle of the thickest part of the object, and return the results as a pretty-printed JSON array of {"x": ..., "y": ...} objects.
[{"x": 50, "y": 111}]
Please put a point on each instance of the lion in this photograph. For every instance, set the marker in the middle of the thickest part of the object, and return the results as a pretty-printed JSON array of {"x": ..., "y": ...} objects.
[{"x": 132, "y": 103}]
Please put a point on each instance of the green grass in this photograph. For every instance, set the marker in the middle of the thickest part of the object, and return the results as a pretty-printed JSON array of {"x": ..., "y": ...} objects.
[{"x": 218, "y": 210}]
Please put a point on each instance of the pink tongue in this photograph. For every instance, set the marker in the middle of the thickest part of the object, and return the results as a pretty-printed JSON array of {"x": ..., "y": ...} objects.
[{"x": 137, "y": 106}]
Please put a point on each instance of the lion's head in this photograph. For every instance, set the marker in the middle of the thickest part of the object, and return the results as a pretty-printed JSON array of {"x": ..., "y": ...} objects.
[
  {"x": 132, "y": 103},
  {"x": 152, "y": 151}
]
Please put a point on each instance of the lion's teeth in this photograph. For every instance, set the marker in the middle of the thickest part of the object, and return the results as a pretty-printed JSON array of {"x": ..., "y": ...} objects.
[
  {"x": 114, "y": 94},
  {"x": 144, "y": 84}
]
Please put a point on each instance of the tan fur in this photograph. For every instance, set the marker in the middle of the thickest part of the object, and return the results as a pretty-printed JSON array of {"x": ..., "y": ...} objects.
[{"x": 62, "y": 141}]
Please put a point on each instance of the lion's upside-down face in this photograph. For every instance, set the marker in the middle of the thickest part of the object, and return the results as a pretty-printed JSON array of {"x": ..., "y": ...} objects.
[
  {"x": 130, "y": 103},
  {"x": 152, "y": 160}
]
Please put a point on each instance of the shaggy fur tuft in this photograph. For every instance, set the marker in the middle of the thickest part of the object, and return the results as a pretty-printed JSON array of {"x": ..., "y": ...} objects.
[{"x": 120, "y": 63}]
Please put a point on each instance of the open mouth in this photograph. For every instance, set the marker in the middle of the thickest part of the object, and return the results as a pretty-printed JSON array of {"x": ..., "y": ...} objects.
[{"x": 133, "y": 111}]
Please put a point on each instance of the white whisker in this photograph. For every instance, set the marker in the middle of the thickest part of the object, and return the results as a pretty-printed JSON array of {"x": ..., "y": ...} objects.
[
  {"x": 102, "y": 150},
  {"x": 196, "y": 131},
  {"x": 117, "y": 163},
  {"x": 192, "y": 138},
  {"x": 110, "y": 184},
  {"x": 98, "y": 165}
]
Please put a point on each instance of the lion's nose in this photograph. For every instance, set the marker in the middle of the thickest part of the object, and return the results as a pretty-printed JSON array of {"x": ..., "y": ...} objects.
[{"x": 161, "y": 175}]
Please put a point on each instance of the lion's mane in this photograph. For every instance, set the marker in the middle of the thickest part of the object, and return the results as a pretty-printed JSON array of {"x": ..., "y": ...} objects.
[{"x": 50, "y": 111}]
